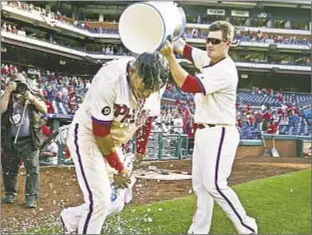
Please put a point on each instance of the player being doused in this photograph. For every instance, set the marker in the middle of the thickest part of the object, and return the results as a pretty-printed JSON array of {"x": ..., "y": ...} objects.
[{"x": 121, "y": 102}]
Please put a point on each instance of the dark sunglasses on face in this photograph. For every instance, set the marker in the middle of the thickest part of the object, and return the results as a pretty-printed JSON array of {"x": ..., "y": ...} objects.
[{"x": 214, "y": 41}]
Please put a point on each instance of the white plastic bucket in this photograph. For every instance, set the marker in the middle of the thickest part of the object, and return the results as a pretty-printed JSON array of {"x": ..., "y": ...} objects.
[{"x": 145, "y": 26}]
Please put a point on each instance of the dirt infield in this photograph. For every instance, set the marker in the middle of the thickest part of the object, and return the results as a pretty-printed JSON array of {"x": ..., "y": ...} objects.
[{"x": 59, "y": 188}]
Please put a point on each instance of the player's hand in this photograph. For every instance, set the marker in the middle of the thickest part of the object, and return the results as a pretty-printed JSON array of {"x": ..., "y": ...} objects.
[
  {"x": 138, "y": 159},
  {"x": 11, "y": 87},
  {"x": 30, "y": 97},
  {"x": 122, "y": 179},
  {"x": 167, "y": 49}
]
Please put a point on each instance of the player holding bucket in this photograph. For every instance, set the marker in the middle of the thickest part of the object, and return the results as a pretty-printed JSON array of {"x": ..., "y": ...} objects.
[{"x": 215, "y": 89}]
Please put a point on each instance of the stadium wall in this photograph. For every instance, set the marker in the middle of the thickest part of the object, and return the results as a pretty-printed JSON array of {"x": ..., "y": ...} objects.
[{"x": 286, "y": 148}]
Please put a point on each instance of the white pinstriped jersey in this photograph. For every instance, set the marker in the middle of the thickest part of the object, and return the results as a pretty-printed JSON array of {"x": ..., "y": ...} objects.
[
  {"x": 217, "y": 105},
  {"x": 110, "y": 98}
]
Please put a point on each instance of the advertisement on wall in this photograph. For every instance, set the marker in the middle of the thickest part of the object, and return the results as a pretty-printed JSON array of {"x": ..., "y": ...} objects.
[
  {"x": 262, "y": 15},
  {"x": 240, "y": 13},
  {"x": 216, "y": 12}
]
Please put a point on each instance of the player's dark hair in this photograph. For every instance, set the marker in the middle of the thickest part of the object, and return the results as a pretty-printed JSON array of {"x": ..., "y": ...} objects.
[
  {"x": 153, "y": 68},
  {"x": 227, "y": 29}
]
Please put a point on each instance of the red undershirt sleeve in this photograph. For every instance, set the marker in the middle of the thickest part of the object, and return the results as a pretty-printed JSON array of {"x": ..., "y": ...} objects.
[
  {"x": 187, "y": 52},
  {"x": 101, "y": 128},
  {"x": 192, "y": 84}
]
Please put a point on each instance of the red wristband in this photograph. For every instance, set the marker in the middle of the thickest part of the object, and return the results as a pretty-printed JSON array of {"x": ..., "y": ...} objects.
[{"x": 114, "y": 161}]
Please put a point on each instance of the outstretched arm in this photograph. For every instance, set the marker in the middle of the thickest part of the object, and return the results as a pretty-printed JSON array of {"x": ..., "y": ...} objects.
[
  {"x": 179, "y": 46},
  {"x": 187, "y": 82}
]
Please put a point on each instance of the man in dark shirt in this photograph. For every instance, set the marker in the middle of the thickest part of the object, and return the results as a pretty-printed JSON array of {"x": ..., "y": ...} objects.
[{"x": 20, "y": 138}]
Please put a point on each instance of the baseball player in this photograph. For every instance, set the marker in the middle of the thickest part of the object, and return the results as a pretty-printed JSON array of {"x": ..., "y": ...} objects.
[
  {"x": 115, "y": 108},
  {"x": 216, "y": 138}
]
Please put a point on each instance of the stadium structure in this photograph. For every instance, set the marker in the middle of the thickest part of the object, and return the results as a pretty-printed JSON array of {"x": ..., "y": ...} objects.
[{"x": 66, "y": 42}]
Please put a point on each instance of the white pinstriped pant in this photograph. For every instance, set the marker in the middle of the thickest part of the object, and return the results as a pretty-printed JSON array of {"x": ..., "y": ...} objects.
[
  {"x": 94, "y": 178},
  {"x": 213, "y": 158}
]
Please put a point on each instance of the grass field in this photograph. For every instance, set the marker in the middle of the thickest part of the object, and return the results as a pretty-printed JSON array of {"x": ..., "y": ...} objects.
[{"x": 281, "y": 205}]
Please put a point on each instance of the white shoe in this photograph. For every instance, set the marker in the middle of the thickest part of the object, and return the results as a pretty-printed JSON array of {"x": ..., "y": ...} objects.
[{"x": 68, "y": 228}]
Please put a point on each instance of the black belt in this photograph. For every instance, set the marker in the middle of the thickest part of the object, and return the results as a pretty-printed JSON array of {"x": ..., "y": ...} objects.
[{"x": 202, "y": 126}]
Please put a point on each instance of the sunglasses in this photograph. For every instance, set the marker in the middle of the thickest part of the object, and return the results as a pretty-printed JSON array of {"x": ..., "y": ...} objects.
[{"x": 214, "y": 41}]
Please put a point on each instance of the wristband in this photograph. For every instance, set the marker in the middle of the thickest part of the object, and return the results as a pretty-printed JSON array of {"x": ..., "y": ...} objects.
[{"x": 114, "y": 161}]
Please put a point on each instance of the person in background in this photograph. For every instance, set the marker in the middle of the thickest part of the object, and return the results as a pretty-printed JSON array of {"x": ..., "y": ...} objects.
[{"x": 21, "y": 138}]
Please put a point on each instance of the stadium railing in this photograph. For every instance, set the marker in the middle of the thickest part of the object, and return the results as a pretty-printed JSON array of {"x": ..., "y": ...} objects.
[{"x": 163, "y": 146}]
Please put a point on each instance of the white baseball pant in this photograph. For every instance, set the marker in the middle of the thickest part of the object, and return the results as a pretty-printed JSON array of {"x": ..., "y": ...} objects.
[
  {"x": 213, "y": 157},
  {"x": 94, "y": 177}
]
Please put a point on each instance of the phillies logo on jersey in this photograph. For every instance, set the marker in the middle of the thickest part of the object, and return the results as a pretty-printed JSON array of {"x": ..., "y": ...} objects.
[{"x": 127, "y": 113}]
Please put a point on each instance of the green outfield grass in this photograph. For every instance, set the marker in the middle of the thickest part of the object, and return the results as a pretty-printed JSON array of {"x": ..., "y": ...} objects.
[{"x": 281, "y": 205}]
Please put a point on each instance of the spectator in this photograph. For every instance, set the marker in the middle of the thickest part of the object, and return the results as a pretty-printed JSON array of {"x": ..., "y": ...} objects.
[
  {"x": 293, "y": 119},
  {"x": 259, "y": 119},
  {"x": 284, "y": 121},
  {"x": 67, "y": 153},
  {"x": 177, "y": 124},
  {"x": 50, "y": 108},
  {"x": 248, "y": 107},
  {"x": 15, "y": 115},
  {"x": 88, "y": 84},
  {"x": 279, "y": 97},
  {"x": 267, "y": 115},
  {"x": 272, "y": 128},
  {"x": 45, "y": 130},
  {"x": 239, "y": 121},
  {"x": 50, "y": 154},
  {"x": 251, "y": 120}
]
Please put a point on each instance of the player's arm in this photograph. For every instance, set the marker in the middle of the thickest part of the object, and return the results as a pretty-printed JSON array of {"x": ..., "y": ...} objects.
[
  {"x": 179, "y": 46},
  {"x": 186, "y": 82},
  {"x": 106, "y": 145},
  {"x": 208, "y": 82},
  {"x": 104, "y": 140},
  {"x": 197, "y": 56},
  {"x": 102, "y": 114},
  {"x": 101, "y": 131}
]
